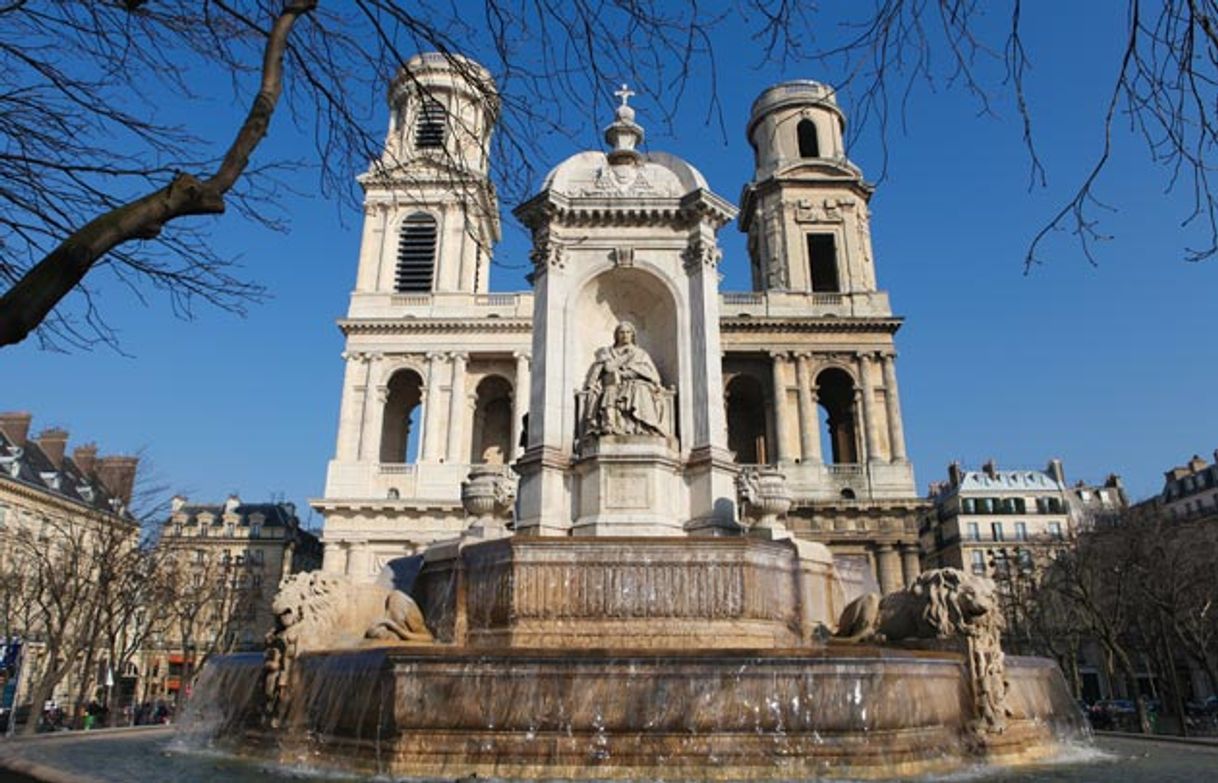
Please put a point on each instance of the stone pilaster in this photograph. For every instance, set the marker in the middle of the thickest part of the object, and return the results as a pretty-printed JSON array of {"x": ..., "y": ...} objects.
[
  {"x": 809, "y": 424},
  {"x": 457, "y": 409},
  {"x": 896, "y": 432},
  {"x": 781, "y": 419}
]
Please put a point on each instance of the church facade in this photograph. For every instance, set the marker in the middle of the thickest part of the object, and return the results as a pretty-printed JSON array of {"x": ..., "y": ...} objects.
[{"x": 442, "y": 374}]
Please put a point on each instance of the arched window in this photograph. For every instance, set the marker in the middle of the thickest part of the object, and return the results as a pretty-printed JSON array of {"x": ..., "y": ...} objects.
[
  {"x": 429, "y": 130},
  {"x": 400, "y": 419},
  {"x": 809, "y": 145},
  {"x": 416, "y": 253},
  {"x": 492, "y": 436},
  {"x": 746, "y": 420},
  {"x": 836, "y": 396}
]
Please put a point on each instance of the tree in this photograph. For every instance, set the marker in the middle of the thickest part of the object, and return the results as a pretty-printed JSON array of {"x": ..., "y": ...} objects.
[
  {"x": 72, "y": 568},
  {"x": 209, "y": 596},
  {"x": 76, "y": 200}
]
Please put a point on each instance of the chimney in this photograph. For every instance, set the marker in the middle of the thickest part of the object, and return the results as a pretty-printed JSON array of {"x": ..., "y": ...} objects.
[
  {"x": 1196, "y": 464},
  {"x": 990, "y": 468},
  {"x": 1114, "y": 482},
  {"x": 176, "y": 503},
  {"x": 117, "y": 474},
  {"x": 1056, "y": 471},
  {"x": 16, "y": 426},
  {"x": 84, "y": 457},
  {"x": 230, "y": 505},
  {"x": 54, "y": 441},
  {"x": 954, "y": 475}
]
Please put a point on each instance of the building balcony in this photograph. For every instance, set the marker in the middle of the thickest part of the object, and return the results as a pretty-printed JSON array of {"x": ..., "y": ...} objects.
[
  {"x": 804, "y": 304},
  {"x": 414, "y": 483},
  {"x": 849, "y": 483}
]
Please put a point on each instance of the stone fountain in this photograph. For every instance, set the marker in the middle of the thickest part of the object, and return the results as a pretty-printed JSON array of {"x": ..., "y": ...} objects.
[{"x": 624, "y": 651}]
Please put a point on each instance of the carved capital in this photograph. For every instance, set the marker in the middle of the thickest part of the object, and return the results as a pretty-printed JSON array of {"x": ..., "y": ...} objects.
[
  {"x": 547, "y": 254},
  {"x": 701, "y": 252}
]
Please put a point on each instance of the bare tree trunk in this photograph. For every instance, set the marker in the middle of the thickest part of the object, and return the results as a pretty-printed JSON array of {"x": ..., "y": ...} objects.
[{"x": 24, "y": 306}]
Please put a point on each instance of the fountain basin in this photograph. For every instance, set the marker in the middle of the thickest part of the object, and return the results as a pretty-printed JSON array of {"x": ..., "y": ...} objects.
[{"x": 844, "y": 711}]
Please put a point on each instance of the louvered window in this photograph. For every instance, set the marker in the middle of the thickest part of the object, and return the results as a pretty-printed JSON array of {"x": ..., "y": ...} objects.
[
  {"x": 416, "y": 253},
  {"x": 429, "y": 130}
]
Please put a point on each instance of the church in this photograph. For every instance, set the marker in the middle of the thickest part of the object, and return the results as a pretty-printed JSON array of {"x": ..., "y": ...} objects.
[{"x": 622, "y": 395}]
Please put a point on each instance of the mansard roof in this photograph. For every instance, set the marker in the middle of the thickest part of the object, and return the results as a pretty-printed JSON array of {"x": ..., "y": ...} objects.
[
  {"x": 1033, "y": 480},
  {"x": 273, "y": 514},
  {"x": 30, "y": 466}
]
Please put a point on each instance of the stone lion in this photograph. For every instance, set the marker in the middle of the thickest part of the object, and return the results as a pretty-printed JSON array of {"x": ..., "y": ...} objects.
[
  {"x": 319, "y": 611},
  {"x": 943, "y": 603}
]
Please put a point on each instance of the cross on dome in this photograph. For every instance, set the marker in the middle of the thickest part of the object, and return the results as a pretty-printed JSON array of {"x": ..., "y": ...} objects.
[{"x": 625, "y": 93}]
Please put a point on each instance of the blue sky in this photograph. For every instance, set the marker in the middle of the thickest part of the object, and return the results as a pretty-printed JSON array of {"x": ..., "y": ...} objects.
[{"x": 1105, "y": 367}]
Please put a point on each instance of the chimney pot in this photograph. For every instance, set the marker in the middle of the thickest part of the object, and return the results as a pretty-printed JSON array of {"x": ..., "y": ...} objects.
[
  {"x": 990, "y": 468},
  {"x": 954, "y": 475},
  {"x": 16, "y": 426},
  {"x": 54, "y": 442}
]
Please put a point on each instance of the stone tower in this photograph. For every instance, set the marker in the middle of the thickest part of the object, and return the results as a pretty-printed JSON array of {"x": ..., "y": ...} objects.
[
  {"x": 431, "y": 215},
  {"x": 809, "y": 358},
  {"x": 805, "y": 211}
]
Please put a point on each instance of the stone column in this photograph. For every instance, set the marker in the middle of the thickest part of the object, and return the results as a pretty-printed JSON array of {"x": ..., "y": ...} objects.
[
  {"x": 809, "y": 423},
  {"x": 869, "y": 429},
  {"x": 911, "y": 562},
  {"x": 432, "y": 438},
  {"x": 456, "y": 409},
  {"x": 888, "y": 568},
  {"x": 896, "y": 432},
  {"x": 781, "y": 422},
  {"x": 520, "y": 403},
  {"x": 334, "y": 557},
  {"x": 359, "y": 561}
]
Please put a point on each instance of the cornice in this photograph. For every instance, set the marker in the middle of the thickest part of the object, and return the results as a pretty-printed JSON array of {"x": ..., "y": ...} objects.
[
  {"x": 351, "y": 326},
  {"x": 61, "y": 503},
  {"x": 817, "y": 324},
  {"x": 684, "y": 211}
]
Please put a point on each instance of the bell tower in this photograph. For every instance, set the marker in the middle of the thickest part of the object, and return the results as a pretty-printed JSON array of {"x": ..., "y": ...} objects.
[
  {"x": 805, "y": 212},
  {"x": 431, "y": 215}
]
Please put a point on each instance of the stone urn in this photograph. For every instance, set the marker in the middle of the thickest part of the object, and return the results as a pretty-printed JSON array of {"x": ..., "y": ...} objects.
[
  {"x": 764, "y": 499},
  {"x": 488, "y": 495}
]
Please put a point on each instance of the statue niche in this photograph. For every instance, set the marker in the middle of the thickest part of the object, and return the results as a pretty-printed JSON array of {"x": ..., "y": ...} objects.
[{"x": 623, "y": 393}]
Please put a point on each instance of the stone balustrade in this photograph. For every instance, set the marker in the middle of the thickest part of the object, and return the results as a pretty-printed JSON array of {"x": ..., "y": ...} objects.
[{"x": 778, "y": 304}]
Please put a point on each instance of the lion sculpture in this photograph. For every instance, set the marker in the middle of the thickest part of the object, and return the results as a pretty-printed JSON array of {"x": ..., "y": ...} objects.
[
  {"x": 943, "y": 603},
  {"x": 320, "y": 611}
]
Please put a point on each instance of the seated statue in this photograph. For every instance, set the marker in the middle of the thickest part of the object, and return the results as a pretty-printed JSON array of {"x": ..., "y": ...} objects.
[{"x": 622, "y": 393}]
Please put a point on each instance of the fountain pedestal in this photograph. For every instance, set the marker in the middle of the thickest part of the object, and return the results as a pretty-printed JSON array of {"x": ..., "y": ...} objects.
[{"x": 614, "y": 592}]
